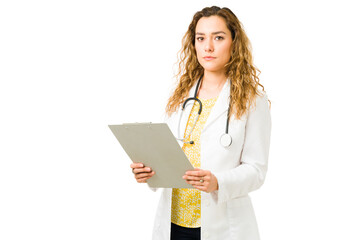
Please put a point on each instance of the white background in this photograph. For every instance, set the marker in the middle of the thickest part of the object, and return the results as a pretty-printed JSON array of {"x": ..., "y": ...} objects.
[{"x": 70, "y": 68}]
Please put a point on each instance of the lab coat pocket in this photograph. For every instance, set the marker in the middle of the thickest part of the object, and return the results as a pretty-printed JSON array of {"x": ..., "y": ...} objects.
[
  {"x": 239, "y": 203},
  {"x": 241, "y": 216}
]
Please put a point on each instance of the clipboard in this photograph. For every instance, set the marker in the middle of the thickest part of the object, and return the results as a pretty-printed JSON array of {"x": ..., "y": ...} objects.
[{"x": 154, "y": 145}]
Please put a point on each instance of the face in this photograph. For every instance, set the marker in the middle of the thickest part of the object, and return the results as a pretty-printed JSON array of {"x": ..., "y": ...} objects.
[{"x": 213, "y": 43}]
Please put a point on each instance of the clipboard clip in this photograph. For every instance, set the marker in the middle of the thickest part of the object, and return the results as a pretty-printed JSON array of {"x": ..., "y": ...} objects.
[{"x": 136, "y": 123}]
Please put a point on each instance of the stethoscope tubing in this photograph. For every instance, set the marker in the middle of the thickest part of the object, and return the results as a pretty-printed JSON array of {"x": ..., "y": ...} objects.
[{"x": 225, "y": 139}]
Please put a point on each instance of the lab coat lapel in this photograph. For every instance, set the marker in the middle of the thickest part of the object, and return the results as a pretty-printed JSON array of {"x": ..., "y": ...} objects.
[{"x": 221, "y": 105}]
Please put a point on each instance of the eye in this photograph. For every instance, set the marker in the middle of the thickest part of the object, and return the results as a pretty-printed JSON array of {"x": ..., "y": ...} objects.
[
  {"x": 199, "y": 38},
  {"x": 219, "y": 38}
]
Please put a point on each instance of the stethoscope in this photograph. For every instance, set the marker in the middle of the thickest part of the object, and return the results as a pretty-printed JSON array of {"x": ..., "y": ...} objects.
[{"x": 225, "y": 139}]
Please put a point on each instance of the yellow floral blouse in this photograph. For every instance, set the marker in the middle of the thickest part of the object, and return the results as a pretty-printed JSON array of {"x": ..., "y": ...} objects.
[{"x": 186, "y": 202}]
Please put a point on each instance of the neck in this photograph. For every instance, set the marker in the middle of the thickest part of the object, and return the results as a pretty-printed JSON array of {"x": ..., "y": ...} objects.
[
  {"x": 211, "y": 85},
  {"x": 213, "y": 80}
]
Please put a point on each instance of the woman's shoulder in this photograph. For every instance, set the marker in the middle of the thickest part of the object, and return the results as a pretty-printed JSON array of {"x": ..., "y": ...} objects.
[{"x": 261, "y": 100}]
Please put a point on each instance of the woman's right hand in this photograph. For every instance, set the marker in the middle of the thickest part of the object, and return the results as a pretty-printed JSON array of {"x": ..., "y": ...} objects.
[{"x": 141, "y": 172}]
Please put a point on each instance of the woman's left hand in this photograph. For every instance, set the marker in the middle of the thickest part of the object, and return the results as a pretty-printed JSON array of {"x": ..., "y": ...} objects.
[{"x": 203, "y": 180}]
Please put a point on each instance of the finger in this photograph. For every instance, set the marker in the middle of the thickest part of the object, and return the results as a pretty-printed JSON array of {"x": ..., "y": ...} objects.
[
  {"x": 143, "y": 180},
  {"x": 201, "y": 173},
  {"x": 136, "y": 165},
  {"x": 141, "y": 175},
  {"x": 189, "y": 177},
  {"x": 141, "y": 170},
  {"x": 195, "y": 183},
  {"x": 196, "y": 173},
  {"x": 144, "y": 175},
  {"x": 207, "y": 178}
]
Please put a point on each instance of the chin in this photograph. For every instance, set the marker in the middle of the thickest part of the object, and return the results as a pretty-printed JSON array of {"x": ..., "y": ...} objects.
[{"x": 211, "y": 67}]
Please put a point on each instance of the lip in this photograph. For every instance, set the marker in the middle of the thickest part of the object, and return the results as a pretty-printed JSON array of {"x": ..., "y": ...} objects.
[{"x": 208, "y": 58}]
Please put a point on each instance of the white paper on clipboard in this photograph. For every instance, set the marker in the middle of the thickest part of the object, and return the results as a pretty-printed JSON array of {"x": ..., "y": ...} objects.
[{"x": 155, "y": 146}]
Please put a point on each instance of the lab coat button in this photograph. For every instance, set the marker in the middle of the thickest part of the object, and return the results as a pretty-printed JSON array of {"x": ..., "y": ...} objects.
[
  {"x": 206, "y": 235},
  {"x": 206, "y": 202}
]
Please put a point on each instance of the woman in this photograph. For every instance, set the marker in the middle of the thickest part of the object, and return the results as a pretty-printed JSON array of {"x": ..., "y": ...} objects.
[{"x": 228, "y": 144}]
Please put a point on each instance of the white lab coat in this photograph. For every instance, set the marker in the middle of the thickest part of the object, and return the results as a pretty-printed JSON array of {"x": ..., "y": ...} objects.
[{"x": 241, "y": 168}]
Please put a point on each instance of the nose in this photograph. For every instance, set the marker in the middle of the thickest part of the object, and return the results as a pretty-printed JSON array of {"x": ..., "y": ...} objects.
[{"x": 209, "y": 46}]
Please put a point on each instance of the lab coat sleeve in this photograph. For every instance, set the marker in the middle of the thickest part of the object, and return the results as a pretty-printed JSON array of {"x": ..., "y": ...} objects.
[{"x": 250, "y": 174}]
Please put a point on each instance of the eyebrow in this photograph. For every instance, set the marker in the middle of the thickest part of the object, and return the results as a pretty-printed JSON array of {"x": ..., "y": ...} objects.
[{"x": 213, "y": 33}]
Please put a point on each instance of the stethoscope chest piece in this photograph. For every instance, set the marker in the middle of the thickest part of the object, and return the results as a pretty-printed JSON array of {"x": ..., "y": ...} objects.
[{"x": 225, "y": 140}]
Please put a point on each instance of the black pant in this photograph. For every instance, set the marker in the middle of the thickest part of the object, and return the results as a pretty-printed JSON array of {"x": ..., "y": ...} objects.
[{"x": 184, "y": 233}]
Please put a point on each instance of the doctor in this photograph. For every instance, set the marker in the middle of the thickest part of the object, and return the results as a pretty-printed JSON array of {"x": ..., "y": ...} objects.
[{"x": 228, "y": 142}]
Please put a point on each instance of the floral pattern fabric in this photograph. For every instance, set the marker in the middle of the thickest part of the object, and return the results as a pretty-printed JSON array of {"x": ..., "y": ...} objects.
[{"x": 186, "y": 202}]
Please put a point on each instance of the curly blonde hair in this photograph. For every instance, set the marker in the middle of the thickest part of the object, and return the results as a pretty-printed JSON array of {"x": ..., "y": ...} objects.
[{"x": 240, "y": 69}]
